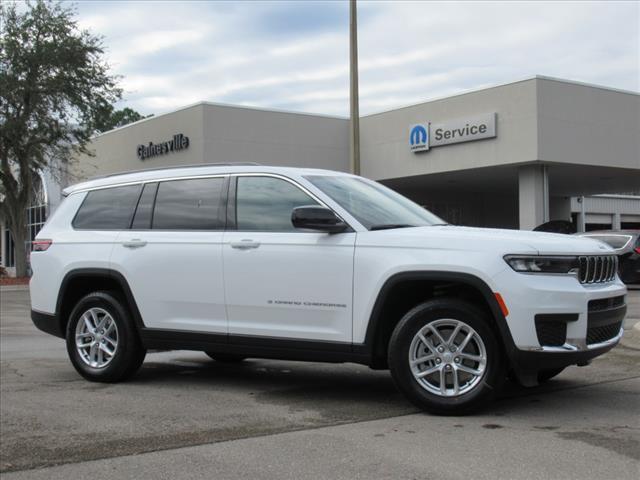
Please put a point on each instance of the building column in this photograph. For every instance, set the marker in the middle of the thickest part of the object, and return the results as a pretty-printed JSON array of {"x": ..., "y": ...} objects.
[
  {"x": 616, "y": 224},
  {"x": 533, "y": 196}
]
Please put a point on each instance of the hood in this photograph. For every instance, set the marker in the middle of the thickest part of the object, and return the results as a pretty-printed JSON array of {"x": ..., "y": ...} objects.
[{"x": 502, "y": 241}]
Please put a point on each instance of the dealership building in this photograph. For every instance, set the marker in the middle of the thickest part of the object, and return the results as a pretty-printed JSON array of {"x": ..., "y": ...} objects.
[{"x": 510, "y": 156}]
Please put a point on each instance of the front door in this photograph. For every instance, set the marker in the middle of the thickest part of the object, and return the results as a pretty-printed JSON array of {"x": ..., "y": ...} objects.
[{"x": 280, "y": 281}]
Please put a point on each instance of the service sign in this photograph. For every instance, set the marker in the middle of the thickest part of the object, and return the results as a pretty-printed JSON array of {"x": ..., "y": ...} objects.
[{"x": 427, "y": 135}]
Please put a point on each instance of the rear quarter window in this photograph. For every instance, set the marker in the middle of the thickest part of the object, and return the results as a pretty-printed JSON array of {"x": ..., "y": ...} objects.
[{"x": 107, "y": 209}]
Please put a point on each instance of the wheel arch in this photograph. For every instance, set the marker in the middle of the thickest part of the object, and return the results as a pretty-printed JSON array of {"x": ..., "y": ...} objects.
[
  {"x": 79, "y": 282},
  {"x": 403, "y": 291}
]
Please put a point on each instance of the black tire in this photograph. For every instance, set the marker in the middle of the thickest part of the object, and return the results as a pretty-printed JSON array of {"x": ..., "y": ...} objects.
[
  {"x": 546, "y": 375},
  {"x": 129, "y": 352},
  {"x": 226, "y": 357},
  {"x": 488, "y": 383}
]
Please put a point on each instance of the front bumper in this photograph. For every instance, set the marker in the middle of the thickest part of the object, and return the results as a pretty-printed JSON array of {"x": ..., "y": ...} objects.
[{"x": 590, "y": 331}]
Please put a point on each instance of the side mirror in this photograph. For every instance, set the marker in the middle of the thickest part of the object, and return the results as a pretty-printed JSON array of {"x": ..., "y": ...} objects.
[{"x": 317, "y": 218}]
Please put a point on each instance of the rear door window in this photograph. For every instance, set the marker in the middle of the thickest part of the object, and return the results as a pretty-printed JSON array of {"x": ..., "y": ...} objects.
[
  {"x": 107, "y": 209},
  {"x": 193, "y": 204}
]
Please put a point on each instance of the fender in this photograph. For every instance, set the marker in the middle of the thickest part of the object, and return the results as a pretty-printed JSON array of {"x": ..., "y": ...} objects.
[
  {"x": 100, "y": 273},
  {"x": 480, "y": 285}
]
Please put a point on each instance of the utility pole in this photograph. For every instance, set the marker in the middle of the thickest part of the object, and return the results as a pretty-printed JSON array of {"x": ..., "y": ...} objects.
[{"x": 354, "y": 123}]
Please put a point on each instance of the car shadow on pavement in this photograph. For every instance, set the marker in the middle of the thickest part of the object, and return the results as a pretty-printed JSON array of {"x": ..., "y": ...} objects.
[{"x": 341, "y": 390}]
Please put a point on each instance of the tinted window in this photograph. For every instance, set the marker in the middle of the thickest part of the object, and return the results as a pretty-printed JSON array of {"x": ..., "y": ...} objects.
[
  {"x": 142, "y": 217},
  {"x": 265, "y": 204},
  {"x": 108, "y": 209},
  {"x": 372, "y": 204},
  {"x": 189, "y": 205}
]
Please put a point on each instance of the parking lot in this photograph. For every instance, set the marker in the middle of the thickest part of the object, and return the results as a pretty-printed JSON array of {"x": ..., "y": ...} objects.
[{"x": 184, "y": 415}]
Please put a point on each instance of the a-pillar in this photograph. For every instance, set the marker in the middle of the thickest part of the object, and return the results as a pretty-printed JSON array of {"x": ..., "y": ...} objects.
[{"x": 533, "y": 196}]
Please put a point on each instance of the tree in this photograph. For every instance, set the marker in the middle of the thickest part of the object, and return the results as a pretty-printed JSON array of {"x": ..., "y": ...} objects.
[
  {"x": 54, "y": 85},
  {"x": 112, "y": 118}
]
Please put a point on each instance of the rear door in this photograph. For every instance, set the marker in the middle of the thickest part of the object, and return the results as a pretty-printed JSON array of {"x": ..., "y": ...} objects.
[
  {"x": 172, "y": 255},
  {"x": 280, "y": 281}
]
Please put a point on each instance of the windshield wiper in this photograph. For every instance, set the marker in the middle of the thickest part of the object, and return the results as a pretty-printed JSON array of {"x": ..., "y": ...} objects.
[{"x": 389, "y": 226}]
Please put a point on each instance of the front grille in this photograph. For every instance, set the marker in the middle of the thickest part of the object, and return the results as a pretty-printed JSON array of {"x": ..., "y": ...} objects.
[
  {"x": 597, "y": 268},
  {"x": 551, "y": 334},
  {"x": 606, "y": 303},
  {"x": 603, "y": 333}
]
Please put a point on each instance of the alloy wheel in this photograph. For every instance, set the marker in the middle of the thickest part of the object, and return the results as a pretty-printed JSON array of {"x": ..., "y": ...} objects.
[
  {"x": 96, "y": 337},
  {"x": 447, "y": 357}
]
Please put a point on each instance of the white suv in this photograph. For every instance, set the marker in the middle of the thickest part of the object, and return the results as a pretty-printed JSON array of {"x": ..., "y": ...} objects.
[{"x": 246, "y": 261}]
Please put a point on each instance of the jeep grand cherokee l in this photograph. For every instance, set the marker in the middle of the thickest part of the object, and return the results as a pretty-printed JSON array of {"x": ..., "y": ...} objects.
[{"x": 304, "y": 264}]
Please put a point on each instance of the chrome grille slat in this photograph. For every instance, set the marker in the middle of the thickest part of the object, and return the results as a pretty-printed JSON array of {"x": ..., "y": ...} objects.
[{"x": 597, "y": 268}]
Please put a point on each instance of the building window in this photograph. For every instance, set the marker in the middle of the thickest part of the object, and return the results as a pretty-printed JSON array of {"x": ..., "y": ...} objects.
[{"x": 36, "y": 216}]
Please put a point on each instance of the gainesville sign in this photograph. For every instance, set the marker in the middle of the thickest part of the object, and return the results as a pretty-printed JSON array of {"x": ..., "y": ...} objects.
[
  {"x": 177, "y": 143},
  {"x": 426, "y": 135}
]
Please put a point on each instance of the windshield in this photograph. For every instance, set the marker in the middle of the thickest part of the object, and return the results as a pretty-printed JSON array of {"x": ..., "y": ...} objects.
[{"x": 375, "y": 206}]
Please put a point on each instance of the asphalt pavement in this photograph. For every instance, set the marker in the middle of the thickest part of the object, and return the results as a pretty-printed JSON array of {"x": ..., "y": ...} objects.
[{"x": 186, "y": 416}]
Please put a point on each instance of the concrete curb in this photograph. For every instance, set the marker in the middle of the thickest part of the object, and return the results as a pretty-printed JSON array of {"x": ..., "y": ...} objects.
[{"x": 14, "y": 288}]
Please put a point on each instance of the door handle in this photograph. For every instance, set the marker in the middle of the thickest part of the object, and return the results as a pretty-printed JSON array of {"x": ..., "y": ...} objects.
[
  {"x": 245, "y": 244},
  {"x": 135, "y": 243}
]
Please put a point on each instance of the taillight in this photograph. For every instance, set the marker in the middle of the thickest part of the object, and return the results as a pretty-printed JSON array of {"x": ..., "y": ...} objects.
[
  {"x": 637, "y": 250},
  {"x": 40, "y": 245}
]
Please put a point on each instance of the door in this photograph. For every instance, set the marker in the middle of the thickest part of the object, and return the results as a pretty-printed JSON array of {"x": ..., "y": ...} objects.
[
  {"x": 172, "y": 255},
  {"x": 279, "y": 281}
]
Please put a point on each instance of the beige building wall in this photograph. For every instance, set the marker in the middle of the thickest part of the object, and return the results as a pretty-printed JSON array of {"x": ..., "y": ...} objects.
[
  {"x": 116, "y": 151},
  {"x": 221, "y": 134},
  {"x": 236, "y": 134},
  {"x": 385, "y": 136},
  {"x": 587, "y": 125}
]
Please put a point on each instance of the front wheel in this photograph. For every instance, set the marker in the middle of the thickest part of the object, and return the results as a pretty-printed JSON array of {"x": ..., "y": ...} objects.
[
  {"x": 445, "y": 358},
  {"x": 102, "y": 342}
]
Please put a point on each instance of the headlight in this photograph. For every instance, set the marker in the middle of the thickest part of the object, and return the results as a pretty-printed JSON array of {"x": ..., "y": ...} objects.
[{"x": 539, "y": 264}]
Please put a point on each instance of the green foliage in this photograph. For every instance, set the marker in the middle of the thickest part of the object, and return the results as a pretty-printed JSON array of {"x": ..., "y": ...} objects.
[
  {"x": 112, "y": 118},
  {"x": 54, "y": 89}
]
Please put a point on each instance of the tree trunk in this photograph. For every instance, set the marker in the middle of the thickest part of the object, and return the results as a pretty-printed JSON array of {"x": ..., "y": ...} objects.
[
  {"x": 19, "y": 245},
  {"x": 16, "y": 221}
]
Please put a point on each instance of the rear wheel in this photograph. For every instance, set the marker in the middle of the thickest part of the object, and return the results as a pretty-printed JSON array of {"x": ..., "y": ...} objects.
[
  {"x": 102, "y": 342},
  {"x": 226, "y": 357},
  {"x": 445, "y": 358}
]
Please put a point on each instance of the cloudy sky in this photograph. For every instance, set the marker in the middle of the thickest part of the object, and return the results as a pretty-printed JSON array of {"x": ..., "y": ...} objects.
[{"x": 294, "y": 55}]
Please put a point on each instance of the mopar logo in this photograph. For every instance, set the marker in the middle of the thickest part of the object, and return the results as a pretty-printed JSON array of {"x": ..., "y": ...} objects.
[{"x": 419, "y": 138}]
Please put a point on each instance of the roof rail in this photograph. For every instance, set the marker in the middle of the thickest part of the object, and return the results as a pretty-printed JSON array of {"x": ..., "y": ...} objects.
[{"x": 195, "y": 165}]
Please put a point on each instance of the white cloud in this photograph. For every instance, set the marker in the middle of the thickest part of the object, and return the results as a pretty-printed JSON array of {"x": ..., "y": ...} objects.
[{"x": 294, "y": 55}]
